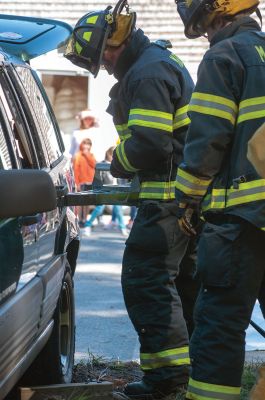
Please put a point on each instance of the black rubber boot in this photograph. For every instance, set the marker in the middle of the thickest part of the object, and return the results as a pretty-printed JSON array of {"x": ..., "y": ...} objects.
[{"x": 146, "y": 391}]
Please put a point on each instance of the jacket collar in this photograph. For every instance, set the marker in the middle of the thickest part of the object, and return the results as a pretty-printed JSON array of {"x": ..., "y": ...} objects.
[
  {"x": 131, "y": 53},
  {"x": 241, "y": 25}
]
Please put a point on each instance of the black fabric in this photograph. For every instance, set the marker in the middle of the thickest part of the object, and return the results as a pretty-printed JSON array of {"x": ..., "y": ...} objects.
[
  {"x": 148, "y": 283},
  {"x": 216, "y": 147},
  {"x": 241, "y": 25},
  {"x": 222, "y": 313},
  {"x": 149, "y": 78}
]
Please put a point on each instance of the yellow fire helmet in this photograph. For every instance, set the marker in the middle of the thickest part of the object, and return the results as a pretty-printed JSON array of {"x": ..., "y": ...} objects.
[
  {"x": 197, "y": 15},
  {"x": 97, "y": 29}
]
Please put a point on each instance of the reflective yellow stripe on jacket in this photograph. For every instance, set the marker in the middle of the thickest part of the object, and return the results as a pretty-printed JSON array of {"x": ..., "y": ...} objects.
[
  {"x": 207, "y": 391},
  {"x": 172, "y": 357},
  {"x": 247, "y": 192},
  {"x": 190, "y": 184},
  {"x": 251, "y": 109},
  {"x": 123, "y": 131},
  {"x": 214, "y": 105},
  {"x": 181, "y": 118},
  {"x": 157, "y": 190},
  {"x": 151, "y": 119},
  {"x": 120, "y": 151}
]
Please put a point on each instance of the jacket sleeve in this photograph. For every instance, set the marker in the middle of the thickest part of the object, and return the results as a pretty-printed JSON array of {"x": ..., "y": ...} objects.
[
  {"x": 213, "y": 111},
  {"x": 150, "y": 126},
  {"x": 91, "y": 160}
]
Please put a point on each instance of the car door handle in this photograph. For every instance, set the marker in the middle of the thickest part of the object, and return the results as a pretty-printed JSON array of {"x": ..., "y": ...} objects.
[{"x": 30, "y": 220}]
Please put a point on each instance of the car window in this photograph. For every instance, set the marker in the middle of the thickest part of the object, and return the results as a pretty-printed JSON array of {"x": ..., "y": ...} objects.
[
  {"x": 47, "y": 129},
  {"x": 15, "y": 131}
]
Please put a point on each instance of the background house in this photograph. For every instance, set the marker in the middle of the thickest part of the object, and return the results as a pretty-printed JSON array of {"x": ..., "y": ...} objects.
[{"x": 71, "y": 89}]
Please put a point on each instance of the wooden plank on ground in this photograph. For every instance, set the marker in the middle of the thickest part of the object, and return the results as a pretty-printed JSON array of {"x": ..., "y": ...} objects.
[{"x": 73, "y": 391}]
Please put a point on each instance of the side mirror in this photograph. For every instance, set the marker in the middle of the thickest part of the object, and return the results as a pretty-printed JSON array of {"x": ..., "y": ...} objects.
[{"x": 26, "y": 192}]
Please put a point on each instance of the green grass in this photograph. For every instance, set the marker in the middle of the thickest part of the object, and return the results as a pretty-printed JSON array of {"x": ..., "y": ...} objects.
[{"x": 249, "y": 378}]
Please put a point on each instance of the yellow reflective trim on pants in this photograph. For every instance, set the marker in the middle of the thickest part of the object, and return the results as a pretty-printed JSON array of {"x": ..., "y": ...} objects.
[
  {"x": 157, "y": 190},
  {"x": 206, "y": 391},
  {"x": 251, "y": 109},
  {"x": 151, "y": 119},
  {"x": 190, "y": 184},
  {"x": 120, "y": 151},
  {"x": 171, "y": 357},
  {"x": 214, "y": 105}
]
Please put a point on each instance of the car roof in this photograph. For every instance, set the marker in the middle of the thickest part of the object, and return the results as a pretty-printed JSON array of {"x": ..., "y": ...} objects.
[{"x": 30, "y": 37}]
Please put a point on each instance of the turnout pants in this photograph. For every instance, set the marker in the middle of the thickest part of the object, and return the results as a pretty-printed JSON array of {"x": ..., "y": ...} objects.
[
  {"x": 153, "y": 258},
  {"x": 231, "y": 266}
]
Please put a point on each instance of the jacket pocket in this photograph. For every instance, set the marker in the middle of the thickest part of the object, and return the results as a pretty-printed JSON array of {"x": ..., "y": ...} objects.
[
  {"x": 154, "y": 228},
  {"x": 218, "y": 255}
]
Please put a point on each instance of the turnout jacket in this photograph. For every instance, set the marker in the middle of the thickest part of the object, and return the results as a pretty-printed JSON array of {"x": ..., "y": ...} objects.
[
  {"x": 226, "y": 108},
  {"x": 149, "y": 107}
]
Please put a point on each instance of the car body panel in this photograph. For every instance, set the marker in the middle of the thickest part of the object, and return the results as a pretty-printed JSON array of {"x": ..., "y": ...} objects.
[
  {"x": 19, "y": 325},
  {"x": 29, "y": 37},
  {"x": 34, "y": 249}
]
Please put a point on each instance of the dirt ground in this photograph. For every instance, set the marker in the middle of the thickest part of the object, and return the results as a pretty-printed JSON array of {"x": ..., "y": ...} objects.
[
  {"x": 98, "y": 370},
  {"x": 120, "y": 373}
]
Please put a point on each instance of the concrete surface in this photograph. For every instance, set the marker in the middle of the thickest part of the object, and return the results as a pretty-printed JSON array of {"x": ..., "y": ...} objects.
[{"x": 103, "y": 328}]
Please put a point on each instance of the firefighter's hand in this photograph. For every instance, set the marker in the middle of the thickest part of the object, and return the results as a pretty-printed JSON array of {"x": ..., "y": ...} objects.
[{"x": 186, "y": 219}]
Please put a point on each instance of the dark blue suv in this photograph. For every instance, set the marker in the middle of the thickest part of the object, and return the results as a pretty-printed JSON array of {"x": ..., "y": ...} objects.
[{"x": 39, "y": 240}]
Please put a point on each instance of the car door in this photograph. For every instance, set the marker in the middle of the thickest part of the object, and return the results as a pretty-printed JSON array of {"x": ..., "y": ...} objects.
[
  {"x": 18, "y": 149},
  {"x": 21, "y": 290},
  {"x": 49, "y": 148}
]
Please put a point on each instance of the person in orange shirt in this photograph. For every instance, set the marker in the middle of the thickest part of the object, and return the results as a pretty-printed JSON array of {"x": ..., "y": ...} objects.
[{"x": 84, "y": 164}]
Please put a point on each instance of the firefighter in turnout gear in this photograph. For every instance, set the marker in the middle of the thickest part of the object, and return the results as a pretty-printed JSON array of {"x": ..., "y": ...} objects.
[
  {"x": 227, "y": 107},
  {"x": 149, "y": 108}
]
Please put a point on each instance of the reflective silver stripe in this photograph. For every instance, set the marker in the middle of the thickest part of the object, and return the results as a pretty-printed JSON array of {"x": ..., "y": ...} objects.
[
  {"x": 123, "y": 131},
  {"x": 218, "y": 106},
  {"x": 157, "y": 190},
  {"x": 251, "y": 109},
  {"x": 120, "y": 151},
  {"x": 151, "y": 119},
  {"x": 148, "y": 118},
  {"x": 171, "y": 357},
  {"x": 181, "y": 118},
  {"x": 200, "y": 390},
  {"x": 190, "y": 188},
  {"x": 247, "y": 192}
]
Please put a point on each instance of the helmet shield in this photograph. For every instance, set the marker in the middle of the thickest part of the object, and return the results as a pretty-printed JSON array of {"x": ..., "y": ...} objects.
[
  {"x": 94, "y": 31},
  {"x": 197, "y": 15},
  {"x": 87, "y": 43}
]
